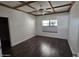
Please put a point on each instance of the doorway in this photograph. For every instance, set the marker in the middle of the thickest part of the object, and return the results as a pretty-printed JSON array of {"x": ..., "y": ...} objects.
[{"x": 5, "y": 37}]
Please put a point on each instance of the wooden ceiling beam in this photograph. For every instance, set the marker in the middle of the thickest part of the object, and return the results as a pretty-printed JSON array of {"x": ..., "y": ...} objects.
[
  {"x": 23, "y": 4},
  {"x": 51, "y": 6},
  {"x": 62, "y": 5},
  {"x": 4, "y": 5},
  {"x": 54, "y": 7},
  {"x": 72, "y": 3},
  {"x": 28, "y": 5},
  {"x": 59, "y": 6}
]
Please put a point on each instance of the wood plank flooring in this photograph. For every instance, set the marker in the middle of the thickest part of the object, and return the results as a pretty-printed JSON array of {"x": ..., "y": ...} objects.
[{"x": 40, "y": 46}]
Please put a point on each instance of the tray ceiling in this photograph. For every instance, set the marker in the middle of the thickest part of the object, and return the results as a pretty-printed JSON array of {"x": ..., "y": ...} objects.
[{"x": 35, "y": 7}]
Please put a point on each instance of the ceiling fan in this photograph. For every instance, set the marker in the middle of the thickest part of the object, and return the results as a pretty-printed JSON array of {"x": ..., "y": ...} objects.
[{"x": 43, "y": 11}]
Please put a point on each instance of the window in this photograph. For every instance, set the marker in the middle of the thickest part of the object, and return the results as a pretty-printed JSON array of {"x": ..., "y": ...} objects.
[
  {"x": 45, "y": 23},
  {"x": 53, "y": 22},
  {"x": 49, "y": 23},
  {"x": 49, "y": 26}
]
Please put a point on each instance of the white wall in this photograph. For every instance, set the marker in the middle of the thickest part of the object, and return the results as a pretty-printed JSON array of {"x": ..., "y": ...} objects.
[
  {"x": 74, "y": 28},
  {"x": 62, "y": 25},
  {"x": 22, "y": 25}
]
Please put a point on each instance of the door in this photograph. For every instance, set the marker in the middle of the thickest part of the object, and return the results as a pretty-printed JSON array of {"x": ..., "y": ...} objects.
[{"x": 5, "y": 37}]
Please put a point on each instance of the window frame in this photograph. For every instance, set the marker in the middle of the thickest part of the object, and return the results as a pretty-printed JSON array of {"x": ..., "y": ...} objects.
[{"x": 49, "y": 24}]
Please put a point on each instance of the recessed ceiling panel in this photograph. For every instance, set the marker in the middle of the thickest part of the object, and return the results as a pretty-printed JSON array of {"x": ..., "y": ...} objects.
[
  {"x": 40, "y": 4},
  {"x": 26, "y": 8},
  {"x": 62, "y": 9},
  {"x": 11, "y": 3},
  {"x": 58, "y": 3}
]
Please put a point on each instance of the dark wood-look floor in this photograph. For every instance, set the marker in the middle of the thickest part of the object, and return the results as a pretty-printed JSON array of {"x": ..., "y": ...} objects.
[{"x": 40, "y": 46}]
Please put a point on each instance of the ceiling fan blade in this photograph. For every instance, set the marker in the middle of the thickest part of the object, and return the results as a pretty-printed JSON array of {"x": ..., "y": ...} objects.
[{"x": 47, "y": 11}]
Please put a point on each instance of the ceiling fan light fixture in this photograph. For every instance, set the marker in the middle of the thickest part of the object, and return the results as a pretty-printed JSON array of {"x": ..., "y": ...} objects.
[{"x": 42, "y": 11}]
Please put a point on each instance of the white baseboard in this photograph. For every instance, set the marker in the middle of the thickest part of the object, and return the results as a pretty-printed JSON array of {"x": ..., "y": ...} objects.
[
  {"x": 21, "y": 41},
  {"x": 51, "y": 36}
]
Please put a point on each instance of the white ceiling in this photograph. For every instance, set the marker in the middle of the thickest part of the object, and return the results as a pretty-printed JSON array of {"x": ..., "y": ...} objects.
[
  {"x": 61, "y": 9},
  {"x": 36, "y": 5},
  {"x": 26, "y": 8},
  {"x": 44, "y": 4},
  {"x": 11, "y": 3},
  {"x": 58, "y": 3}
]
